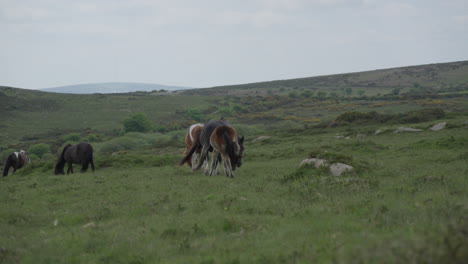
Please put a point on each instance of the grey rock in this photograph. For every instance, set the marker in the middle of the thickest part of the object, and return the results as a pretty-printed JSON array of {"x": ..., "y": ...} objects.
[
  {"x": 378, "y": 131},
  {"x": 337, "y": 169},
  {"x": 314, "y": 161},
  {"x": 407, "y": 129},
  {"x": 438, "y": 127},
  {"x": 260, "y": 138}
]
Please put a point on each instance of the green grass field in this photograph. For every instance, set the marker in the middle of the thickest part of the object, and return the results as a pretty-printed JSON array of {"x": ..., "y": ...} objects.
[{"x": 406, "y": 201}]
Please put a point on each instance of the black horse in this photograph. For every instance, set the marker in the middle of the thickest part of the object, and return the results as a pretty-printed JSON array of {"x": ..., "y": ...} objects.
[
  {"x": 81, "y": 153},
  {"x": 16, "y": 160}
]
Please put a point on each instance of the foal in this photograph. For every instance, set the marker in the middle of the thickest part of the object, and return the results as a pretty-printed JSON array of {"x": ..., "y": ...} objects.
[{"x": 192, "y": 138}]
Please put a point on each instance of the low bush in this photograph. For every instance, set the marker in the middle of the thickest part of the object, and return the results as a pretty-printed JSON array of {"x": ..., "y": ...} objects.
[
  {"x": 72, "y": 137},
  {"x": 39, "y": 149}
]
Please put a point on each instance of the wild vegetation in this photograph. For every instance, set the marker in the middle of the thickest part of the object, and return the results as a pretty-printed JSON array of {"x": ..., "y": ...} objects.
[{"x": 404, "y": 202}]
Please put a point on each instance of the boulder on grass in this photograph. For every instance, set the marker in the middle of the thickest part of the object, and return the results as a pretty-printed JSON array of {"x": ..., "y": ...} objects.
[
  {"x": 407, "y": 129},
  {"x": 313, "y": 161},
  {"x": 438, "y": 127},
  {"x": 337, "y": 169},
  {"x": 260, "y": 138}
]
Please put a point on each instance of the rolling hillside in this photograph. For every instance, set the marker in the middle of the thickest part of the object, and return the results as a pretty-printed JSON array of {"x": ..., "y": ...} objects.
[
  {"x": 28, "y": 116},
  {"x": 447, "y": 76},
  {"x": 112, "y": 87}
]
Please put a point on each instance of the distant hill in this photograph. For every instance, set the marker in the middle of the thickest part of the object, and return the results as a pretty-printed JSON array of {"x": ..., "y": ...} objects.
[
  {"x": 442, "y": 76},
  {"x": 112, "y": 87}
]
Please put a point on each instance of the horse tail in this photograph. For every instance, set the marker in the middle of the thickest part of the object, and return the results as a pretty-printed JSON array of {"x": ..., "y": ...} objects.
[
  {"x": 203, "y": 156},
  {"x": 192, "y": 150},
  {"x": 91, "y": 159},
  {"x": 7, "y": 166}
]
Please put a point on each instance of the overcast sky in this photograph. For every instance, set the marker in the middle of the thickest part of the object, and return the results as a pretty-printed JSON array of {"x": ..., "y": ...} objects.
[{"x": 203, "y": 43}]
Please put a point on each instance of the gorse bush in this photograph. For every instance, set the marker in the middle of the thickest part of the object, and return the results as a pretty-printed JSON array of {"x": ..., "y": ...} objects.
[
  {"x": 195, "y": 115},
  {"x": 39, "y": 149},
  {"x": 137, "y": 123},
  {"x": 93, "y": 138},
  {"x": 73, "y": 137}
]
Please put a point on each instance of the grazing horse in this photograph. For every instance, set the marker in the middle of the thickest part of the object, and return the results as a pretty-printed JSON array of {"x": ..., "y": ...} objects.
[
  {"x": 192, "y": 138},
  {"x": 205, "y": 145},
  {"x": 81, "y": 153},
  {"x": 16, "y": 160},
  {"x": 228, "y": 147}
]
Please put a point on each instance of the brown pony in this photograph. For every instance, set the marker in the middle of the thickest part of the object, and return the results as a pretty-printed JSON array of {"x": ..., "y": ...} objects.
[
  {"x": 16, "y": 160},
  {"x": 228, "y": 147},
  {"x": 192, "y": 138}
]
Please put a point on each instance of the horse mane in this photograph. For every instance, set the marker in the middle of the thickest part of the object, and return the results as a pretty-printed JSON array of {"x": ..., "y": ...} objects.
[{"x": 61, "y": 160}]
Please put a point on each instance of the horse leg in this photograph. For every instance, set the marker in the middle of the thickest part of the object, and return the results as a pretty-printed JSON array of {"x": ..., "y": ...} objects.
[
  {"x": 194, "y": 160},
  {"x": 84, "y": 166},
  {"x": 214, "y": 163},
  {"x": 70, "y": 168},
  {"x": 227, "y": 166},
  {"x": 92, "y": 164},
  {"x": 203, "y": 156}
]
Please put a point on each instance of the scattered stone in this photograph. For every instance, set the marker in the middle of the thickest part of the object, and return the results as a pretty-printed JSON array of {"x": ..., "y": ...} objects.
[
  {"x": 378, "y": 131},
  {"x": 55, "y": 222},
  {"x": 260, "y": 138},
  {"x": 339, "y": 137},
  {"x": 90, "y": 224},
  {"x": 438, "y": 127},
  {"x": 407, "y": 129},
  {"x": 316, "y": 162},
  {"x": 337, "y": 169}
]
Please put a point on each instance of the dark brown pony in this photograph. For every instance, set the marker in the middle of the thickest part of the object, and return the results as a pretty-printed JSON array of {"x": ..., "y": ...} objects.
[
  {"x": 81, "y": 153},
  {"x": 205, "y": 145},
  {"x": 228, "y": 147},
  {"x": 16, "y": 160},
  {"x": 192, "y": 138}
]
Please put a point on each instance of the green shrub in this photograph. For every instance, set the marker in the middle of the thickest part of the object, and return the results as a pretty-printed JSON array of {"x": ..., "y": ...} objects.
[
  {"x": 195, "y": 115},
  {"x": 4, "y": 154},
  {"x": 47, "y": 156},
  {"x": 39, "y": 149},
  {"x": 137, "y": 123},
  {"x": 72, "y": 137},
  {"x": 93, "y": 138}
]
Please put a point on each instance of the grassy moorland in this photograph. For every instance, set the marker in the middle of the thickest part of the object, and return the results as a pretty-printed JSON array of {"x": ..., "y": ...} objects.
[{"x": 405, "y": 202}]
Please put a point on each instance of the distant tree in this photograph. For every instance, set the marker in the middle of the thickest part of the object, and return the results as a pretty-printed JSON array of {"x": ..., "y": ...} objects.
[
  {"x": 349, "y": 91},
  {"x": 137, "y": 123},
  {"x": 39, "y": 149},
  {"x": 361, "y": 92}
]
